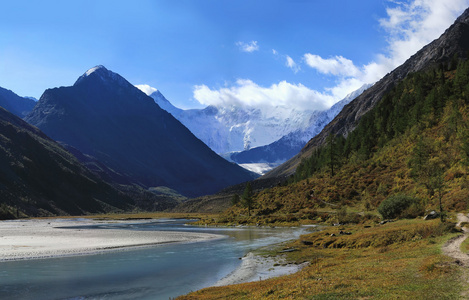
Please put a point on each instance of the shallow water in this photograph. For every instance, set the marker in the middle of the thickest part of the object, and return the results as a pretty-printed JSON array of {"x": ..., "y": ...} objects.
[{"x": 158, "y": 272}]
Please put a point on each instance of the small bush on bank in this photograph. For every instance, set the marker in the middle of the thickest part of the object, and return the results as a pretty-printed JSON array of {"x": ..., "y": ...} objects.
[{"x": 400, "y": 206}]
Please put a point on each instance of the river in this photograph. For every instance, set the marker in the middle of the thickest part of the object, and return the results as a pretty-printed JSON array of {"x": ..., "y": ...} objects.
[{"x": 159, "y": 272}]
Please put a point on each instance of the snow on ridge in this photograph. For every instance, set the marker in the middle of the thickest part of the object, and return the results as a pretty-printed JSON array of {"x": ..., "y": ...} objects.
[
  {"x": 105, "y": 75},
  {"x": 146, "y": 89},
  {"x": 94, "y": 69},
  {"x": 260, "y": 168}
]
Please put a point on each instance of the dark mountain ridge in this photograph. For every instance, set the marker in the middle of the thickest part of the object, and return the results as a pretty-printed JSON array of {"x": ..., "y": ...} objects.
[
  {"x": 106, "y": 117},
  {"x": 453, "y": 43},
  {"x": 19, "y": 106}
]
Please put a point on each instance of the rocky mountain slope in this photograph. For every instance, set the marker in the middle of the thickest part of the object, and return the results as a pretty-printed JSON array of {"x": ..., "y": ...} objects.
[
  {"x": 454, "y": 42},
  {"x": 105, "y": 117}
]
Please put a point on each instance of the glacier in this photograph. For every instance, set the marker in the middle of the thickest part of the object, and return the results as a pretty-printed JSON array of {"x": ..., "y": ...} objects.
[
  {"x": 234, "y": 128},
  {"x": 256, "y": 138}
]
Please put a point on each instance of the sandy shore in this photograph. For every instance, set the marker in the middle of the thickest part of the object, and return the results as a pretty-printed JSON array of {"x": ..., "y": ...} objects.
[
  {"x": 255, "y": 267},
  {"x": 33, "y": 239}
]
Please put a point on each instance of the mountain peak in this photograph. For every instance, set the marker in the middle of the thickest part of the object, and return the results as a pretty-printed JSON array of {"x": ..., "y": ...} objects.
[
  {"x": 464, "y": 18},
  {"x": 100, "y": 72},
  {"x": 99, "y": 68}
]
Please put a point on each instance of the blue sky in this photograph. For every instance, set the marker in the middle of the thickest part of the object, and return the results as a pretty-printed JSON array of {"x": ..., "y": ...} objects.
[{"x": 302, "y": 53}]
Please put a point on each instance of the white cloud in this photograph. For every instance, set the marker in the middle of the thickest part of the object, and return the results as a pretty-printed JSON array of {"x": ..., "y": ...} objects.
[
  {"x": 247, "y": 93},
  {"x": 292, "y": 64},
  {"x": 409, "y": 26},
  {"x": 345, "y": 87},
  {"x": 337, "y": 65},
  {"x": 248, "y": 47},
  {"x": 146, "y": 89}
]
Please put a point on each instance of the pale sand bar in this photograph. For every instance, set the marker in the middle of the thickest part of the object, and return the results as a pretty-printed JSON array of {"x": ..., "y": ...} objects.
[
  {"x": 255, "y": 267},
  {"x": 34, "y": 239}
]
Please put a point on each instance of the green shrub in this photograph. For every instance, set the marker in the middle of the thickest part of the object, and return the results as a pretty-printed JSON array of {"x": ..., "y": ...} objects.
[
  {"x": 414, "y": 210},
  {"x": 398, "y": 205},
  {"x": 342, "y": 215}
]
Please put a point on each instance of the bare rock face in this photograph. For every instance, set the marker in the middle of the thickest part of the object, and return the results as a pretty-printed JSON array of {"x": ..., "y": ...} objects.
[{"x": 453, "y": 42}]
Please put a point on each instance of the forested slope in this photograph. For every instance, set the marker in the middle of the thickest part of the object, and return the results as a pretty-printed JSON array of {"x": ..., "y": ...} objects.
[{"x": 415, "y": 141}]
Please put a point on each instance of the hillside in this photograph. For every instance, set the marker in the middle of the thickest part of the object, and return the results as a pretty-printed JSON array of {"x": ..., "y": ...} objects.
[
  {"x": 221, "y": 201},
  {"x": 40, "y": 178},
  {"x": 415, "y": 141},
  {"x": 453, "y": 42},
  {"x": 107, "y": 118}
]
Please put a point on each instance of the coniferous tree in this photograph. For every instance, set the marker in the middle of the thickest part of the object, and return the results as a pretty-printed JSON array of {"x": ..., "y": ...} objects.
[
  {"x": 465, "y": 146},
  {"x": 235, "y": 199},
  {"x": 247, "y": 199},
  {"x": 437, "y": 182},
  {"x": 330, "y": 141},
  {"x": 420, "y": 157},
  {"x": 333, "y": 147},
  {"x": 429, "y": 170}
]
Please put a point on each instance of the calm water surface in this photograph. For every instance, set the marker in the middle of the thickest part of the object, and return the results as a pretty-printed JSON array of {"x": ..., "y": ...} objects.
[{"x": 158, "y": 272}]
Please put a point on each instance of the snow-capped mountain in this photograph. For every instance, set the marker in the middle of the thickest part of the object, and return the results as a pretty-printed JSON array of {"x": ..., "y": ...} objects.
[
  {"x": 234, "y": 128},
  {"x": 251, "y": 135},
  {"x": 290, "y": 144}
]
